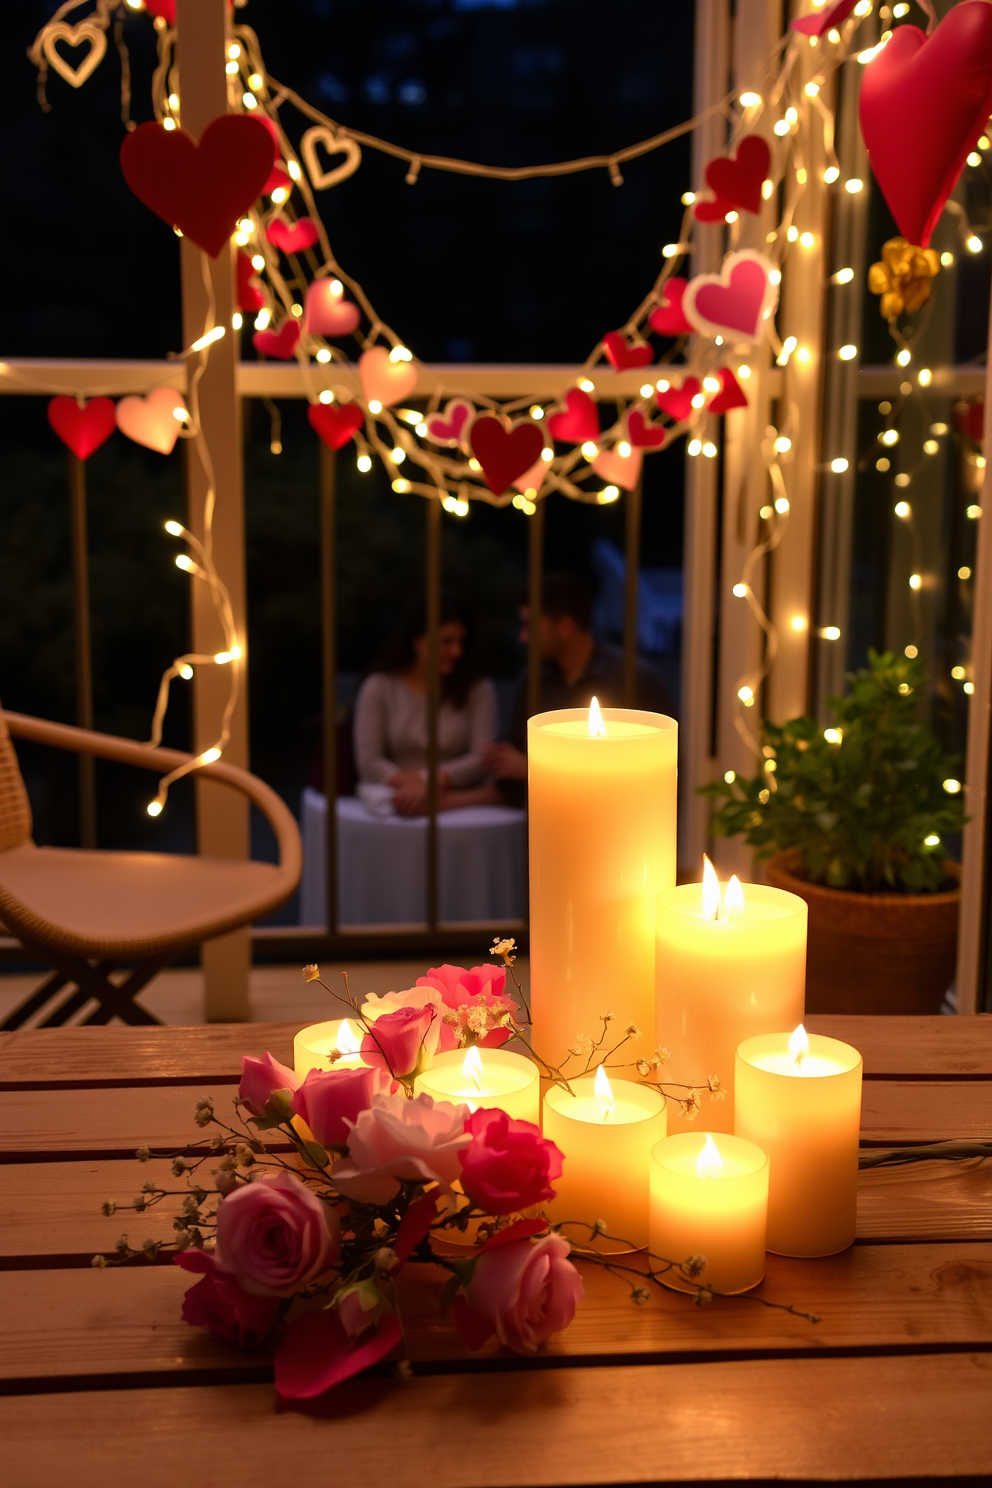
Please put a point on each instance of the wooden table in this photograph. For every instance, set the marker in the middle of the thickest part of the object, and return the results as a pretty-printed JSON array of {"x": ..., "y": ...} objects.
[{"x": 104, "y": 1383}]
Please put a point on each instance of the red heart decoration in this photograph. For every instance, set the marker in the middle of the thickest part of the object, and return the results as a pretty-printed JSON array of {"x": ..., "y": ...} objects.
[
  {"x": 329, "y": 313},
  {"x": 449, "y": 427},
  {"x": 504, "y": 454},
  {"x": 278, "y": 176},
  {"x": 250, "y": 296},
  {"x": 667, "y": 318},
  {"x": 281, "y": 343},
  {"x": 335, "y": 423},
  {"x": 823, "y": 20},
  {"x": 164, "y": 8},
  {"x": 200, "y": 188},
  {"x": 292, "y": 237},
  {"x": 677, "y": 401},
  {"x": 736, "y": 182},
  {"x": 622, "y": 354},
  {"x": 579, "y": 422},
  {"x": 83, "y": 429},
  {"x": 731, "y": 394},
  {"x": 642, "y": 434},
  {"x": 736, "y": 302},
  {"x": 924, "y": 103},
  {"x": 969, "y": 420}
]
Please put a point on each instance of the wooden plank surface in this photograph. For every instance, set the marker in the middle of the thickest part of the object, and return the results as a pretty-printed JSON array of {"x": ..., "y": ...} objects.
[
  {"x": 50, "y": 1212},
  {"x": 66, "y": 1326},
  {"x": 902, "y": 1113},
  {"x": 836, "y": 1419},
  {"x": 950, "y": 1048}
]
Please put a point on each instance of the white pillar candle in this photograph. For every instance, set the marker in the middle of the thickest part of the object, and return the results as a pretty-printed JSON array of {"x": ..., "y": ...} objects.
[
  {"x": 799, "y": 1097},
  {"x": 602, "y": 798},
  {"x": 606, "y": 1134},
  {"x": 709, "y": 1197},
  {"x": 728, "y": 965},
  {"x": 313, "y": 1046},
  {"x": 493, "y": 1079}
]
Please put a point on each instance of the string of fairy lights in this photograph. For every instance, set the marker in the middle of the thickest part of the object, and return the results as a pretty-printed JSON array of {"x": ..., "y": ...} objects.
[{"x": 303, "y": 301}]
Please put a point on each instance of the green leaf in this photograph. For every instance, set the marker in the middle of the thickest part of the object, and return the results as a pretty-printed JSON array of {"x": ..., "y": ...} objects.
[{"x": 315, "y": 1154}]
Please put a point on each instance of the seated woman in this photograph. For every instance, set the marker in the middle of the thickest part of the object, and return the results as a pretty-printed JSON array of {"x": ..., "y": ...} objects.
[{"x": 391, "y": 719}]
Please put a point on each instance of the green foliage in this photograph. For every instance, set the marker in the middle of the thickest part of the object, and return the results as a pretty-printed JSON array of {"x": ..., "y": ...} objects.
[{"x": 858, "y": 809}]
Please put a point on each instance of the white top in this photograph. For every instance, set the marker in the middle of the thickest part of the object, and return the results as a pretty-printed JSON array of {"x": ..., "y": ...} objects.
[{"x": 391, "y": 731}]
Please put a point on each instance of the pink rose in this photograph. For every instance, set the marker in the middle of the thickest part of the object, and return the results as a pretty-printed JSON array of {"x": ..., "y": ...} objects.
[
  {"x": 521, "y": 1290},
  {"x": 357, "y": 1306},
  {"x": 418, "y": 1140},
  {"x": 219, "y": 1304},
  {"x": 318, "y": 1353},
  {"x": 261, "y": 1078},
  {"x": 508, "y": 1165},
  {"x": 274, "y": 1235},
  {"x": 329, "y": 1099},
  {"x": 473, "y": 1001},
  {"x": 402, "y": 1042}
]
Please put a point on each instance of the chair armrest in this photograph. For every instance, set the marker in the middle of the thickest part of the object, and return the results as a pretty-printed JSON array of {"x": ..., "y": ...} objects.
[{"x": 161, "y": 761}]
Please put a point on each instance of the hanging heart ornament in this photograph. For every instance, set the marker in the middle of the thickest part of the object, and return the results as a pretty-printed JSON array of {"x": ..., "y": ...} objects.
[
  {"x": 151, "y": 420},
  {"x": 383, "y": 380},
  {"x": 334, "y": 144},
  {"x": 74, "y": 36},
  {"x": 505, "y": 454},
  {"x": 449, "y": 427},
  {"x": 924, "y": 103},
  {"x": 83, "y": 427},
  {"x": 335, "y": 423},
  {"x": 737, "y": 302}
]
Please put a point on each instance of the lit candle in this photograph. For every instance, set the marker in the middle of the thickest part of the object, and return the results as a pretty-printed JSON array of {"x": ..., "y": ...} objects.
[
  {"x": 313, "y": 1046},
  {"x": 799, "y": 1096},
  {"x": 606, "y": 1134},
  {"x": 601, "y": 801},
  {"x": 709, "y": 1197},
  {"x": 729, "y": 964},
  {"x": 490, "y": 1078}
]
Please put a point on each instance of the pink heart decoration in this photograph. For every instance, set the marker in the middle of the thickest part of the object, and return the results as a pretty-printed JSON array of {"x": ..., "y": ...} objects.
[
  {"x": 384, "y": 381},
  {"x": 281, "y": 343},
  {"x": 641, "y": 433},
  {"x": 505, "y": 454},
  {"x": 84, "y": 428},
  {"x": 292, "y": 237},
  {"x": 335, "y": 423},
  {"x": 736, "y": 182},
  {"x": 677, "y": 401},
  {"x": 924, "y": 103},
  {"x": 736, "y": 302},
  {"x": 731, "y": 394},
  {"x": 823, "y": 20},
  {"x": 278, "y": 176},
  {"x": 622, "y": 354},
  {"x": 667, "y": 318},
  {"x": 531, "y": 479},
  {"x": 250, "y": 296},
  {"x": 578, "y": 422},
  {"x": 327, "y": 313},
  {"x": 448, "y": 428},
  {"x": 151, "y": 420},
  {"x": 619, "y": 470}
]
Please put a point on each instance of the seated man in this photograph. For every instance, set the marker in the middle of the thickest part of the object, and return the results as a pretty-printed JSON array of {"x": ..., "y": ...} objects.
[{"x": 575, "y": 667}]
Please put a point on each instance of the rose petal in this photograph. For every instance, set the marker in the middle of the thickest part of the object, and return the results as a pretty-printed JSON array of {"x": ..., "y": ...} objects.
[
  {"x": 522, "y": 1229},
  {"x": 415, "y": 1224},
  {"x": 317, "y": 1353}
]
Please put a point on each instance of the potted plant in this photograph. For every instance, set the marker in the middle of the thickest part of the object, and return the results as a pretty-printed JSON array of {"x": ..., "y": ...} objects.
[{"x": 853, "y": 818}]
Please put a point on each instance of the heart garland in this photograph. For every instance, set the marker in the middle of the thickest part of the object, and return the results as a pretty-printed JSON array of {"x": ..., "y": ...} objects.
[
  {"x": 642, "y": 434},
  {"x": 250, "y": 296},
  {"x": 327, "y": 312},
  {"x": 292, "y": 237},
  {"x": 619, "y": 470},
  {"x": 505, "y": 454},
  {"x": 735, "y": 303},
  {"x": 151, "y": 420},
  {"x": 731, "y": 394},
  {"x": 578, "y": 422},
  {"x": 334, "y": 145},
  {"x": 449, "y": 427},
  {"x": 823, "y": 20},
  {"x": 335, "y": 423},
  {"x": 385, "y": 381},
  {"x": 676, "y": 402},
  {"x": 281, "y": 343},
  {"x": 668, "y": 318},
  {"x": 83, "y": 427},
  {"x": 621, "y": 353},
  {"x": 736, "y": 181}
]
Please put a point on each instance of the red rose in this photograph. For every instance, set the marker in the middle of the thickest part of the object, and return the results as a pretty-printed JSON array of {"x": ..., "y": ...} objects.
[
  {"x": 220, "y": 1305},
  {"x": 474, "y": 1001},
  {"x": 508, "y": 1165},
  {"x": 402, "y": 1042}
]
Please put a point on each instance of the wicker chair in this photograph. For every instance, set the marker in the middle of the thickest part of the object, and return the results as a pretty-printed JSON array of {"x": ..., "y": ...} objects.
[{"x": 88, "y": 912}]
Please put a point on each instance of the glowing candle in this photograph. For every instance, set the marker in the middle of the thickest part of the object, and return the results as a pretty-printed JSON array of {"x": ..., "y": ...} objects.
[
  {"x": 709, "y": 1197},
  {"x": 729, "y": 965},
  {"x": 606, "y": 1134},
  {"x": 490, "y": 1078},
  {"x": 602, "y": 799},
  {"x": 799, "y": 1096},
  {"x": 313, "y": 1046}
]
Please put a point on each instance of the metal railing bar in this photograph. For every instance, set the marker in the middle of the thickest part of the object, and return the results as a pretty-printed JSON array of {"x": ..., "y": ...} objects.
[{"x": 328, "y": 637}]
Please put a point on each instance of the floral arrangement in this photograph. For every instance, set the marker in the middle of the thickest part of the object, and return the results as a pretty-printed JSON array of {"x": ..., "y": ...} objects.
[{"x": 324, "y": 1190}]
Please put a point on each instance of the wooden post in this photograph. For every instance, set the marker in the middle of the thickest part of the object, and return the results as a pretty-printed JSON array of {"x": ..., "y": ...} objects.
[
  {"x": 535, "y": 570},
  {"x": 328, "y": 636},
  {"x": 433, "y": 585},
  {"x": 222, "y": 815},
  {"x": 632, "y": 532},
  {"x": 84, "y": 656}
]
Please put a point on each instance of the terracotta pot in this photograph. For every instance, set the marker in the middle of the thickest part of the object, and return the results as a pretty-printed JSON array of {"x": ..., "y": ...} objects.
[{"x": 873, "y": 953}]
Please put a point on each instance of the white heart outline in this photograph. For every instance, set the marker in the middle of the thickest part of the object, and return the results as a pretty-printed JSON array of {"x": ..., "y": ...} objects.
[
  {"x": 334, "y": 145},
  {"x": 722, "y": 279},
  {"x": 74, "y": 36}
]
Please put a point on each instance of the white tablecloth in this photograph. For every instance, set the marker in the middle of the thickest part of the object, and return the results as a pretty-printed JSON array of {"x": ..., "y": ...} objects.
[{"x": 382, "y": 865}]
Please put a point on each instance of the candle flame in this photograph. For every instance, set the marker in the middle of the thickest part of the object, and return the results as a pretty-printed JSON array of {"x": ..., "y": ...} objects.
[
  {"x": 799, "y": 1045},
  {"x": 733, "y": 900},
  {"x": 346, "y": 1039},
  {"x": 597, "y": 727},
  {"x": 604, "y": 1093},
  {"x": 472, "y": 1067},
  {"x": 709, "y": 1163},
  {"x": 711, "y": 891}
]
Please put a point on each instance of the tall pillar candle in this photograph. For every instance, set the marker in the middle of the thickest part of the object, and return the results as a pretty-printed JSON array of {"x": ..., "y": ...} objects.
[
  {"x": 726, "y": 968},
  {"x": 799, "y": 1097},
  {"x": 602, "y": 801}
]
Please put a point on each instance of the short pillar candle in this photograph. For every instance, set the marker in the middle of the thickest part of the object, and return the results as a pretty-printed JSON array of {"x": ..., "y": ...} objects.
[
  {"x": 313, "y": 1046},
  {"x": 490, "y": 1079},
  {"x": 725, "y": 969},
  {"x": 799, "y": 1098},
  {"x": 606, "y": 1133},
  {"x": 709, "y": 1197}
]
